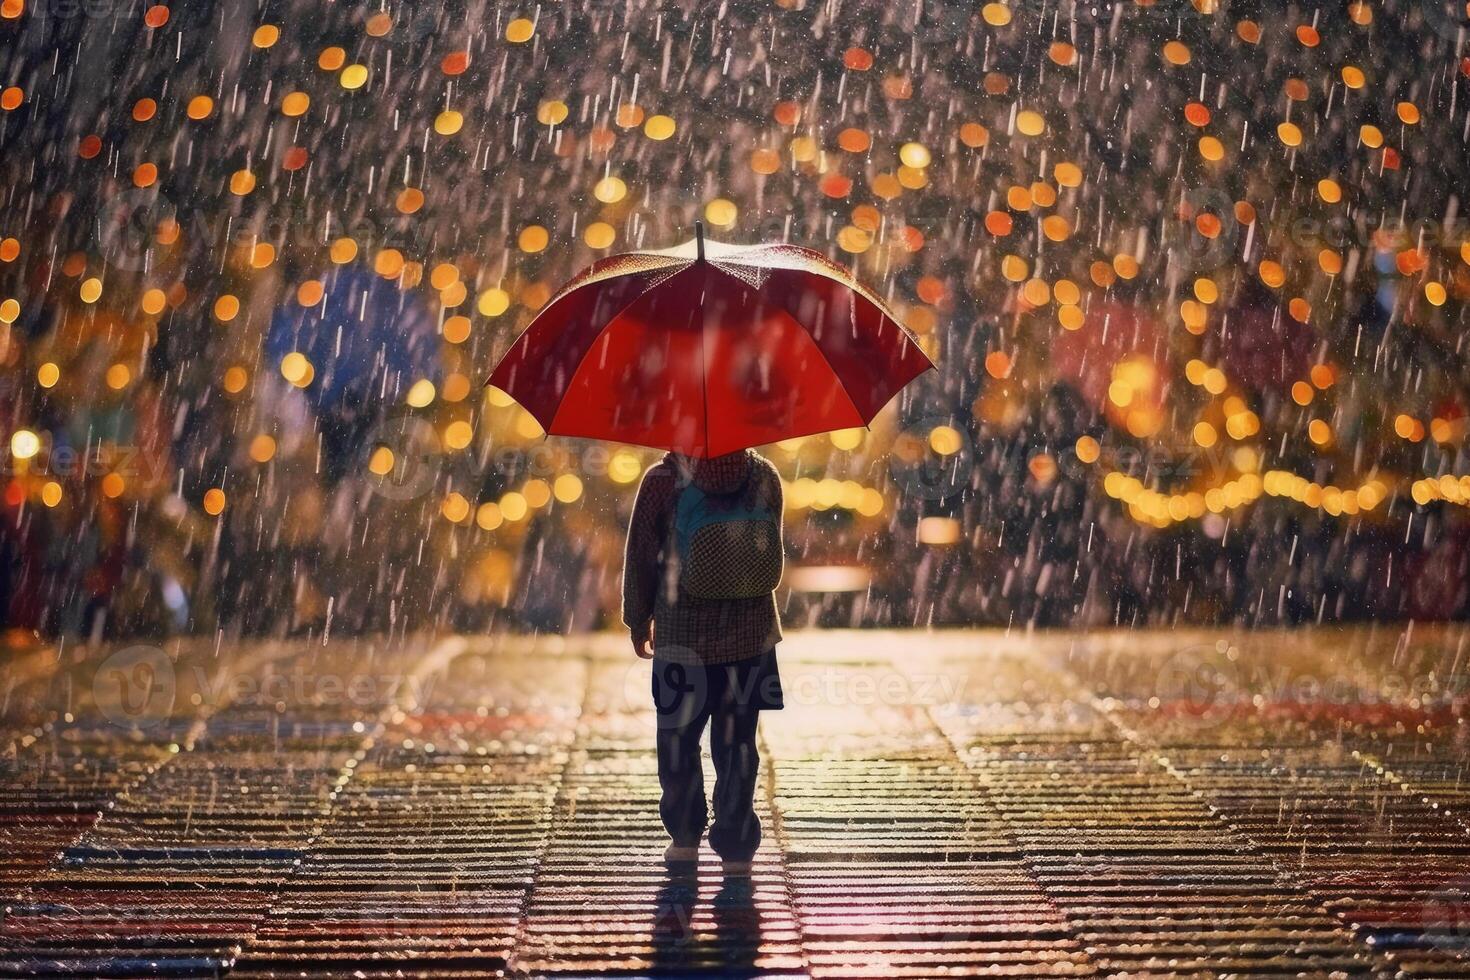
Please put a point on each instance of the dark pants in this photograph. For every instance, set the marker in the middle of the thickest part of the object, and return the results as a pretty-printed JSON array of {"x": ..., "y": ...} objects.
[{"x": 729, "y": 698}]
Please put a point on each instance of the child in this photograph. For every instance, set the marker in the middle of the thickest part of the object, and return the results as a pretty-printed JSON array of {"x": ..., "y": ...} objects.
[{"x": 703, "y": 560}]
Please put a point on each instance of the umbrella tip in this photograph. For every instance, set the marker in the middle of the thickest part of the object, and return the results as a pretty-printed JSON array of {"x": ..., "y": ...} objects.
[{"x": 699, "y": 240}]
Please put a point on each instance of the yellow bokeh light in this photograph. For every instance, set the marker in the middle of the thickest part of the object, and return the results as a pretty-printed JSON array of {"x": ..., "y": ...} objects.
[
  {"x": 381, "y": 462},
  {"x": 24, "y": 444},
  {"x": 610, "y": 190},
  {"x": 242, "y": 182},
  {"x": 493, "y": 302},
  {"x": 513, "y": 507},
  {"x": 552, "y": 112},
  {"x": 455, "y": 507},
  {"x": 659, "y": 127},
  {"x": 854, "y": 240},
  {"x": 599, "y": 234},
  {"x": 567, "y": 488},
  {"x": 527, "y": 427},
  {"x": 537, "y": 492},
  {"x": 343, "y": 250},
  {"x": 448, "y": 122},
  {"x": 870, "y": 502},
  {"x": 945, "y": 440},
  {"x": 457, "y": 329},
  {"x": 456, "y": 387},
  {"x": 720, "y": 212},
  {"x": 996, "y": 14},
  {"x": 262, "y": 448},
  {"x": 353, "y": 77},
  {"x": 914, "y": 155},
  {"x": 532, "y": 239},
  {"x": 295, "y": 104},
  {"x": 519, "y": 31},
  {"x": 1030, "y": 123},
  {"x": 296, "y": 369},
  {"x": 487, "y": 516},
  {"x": 458, "y": 434},
  {"x": 624, "y": 467}
]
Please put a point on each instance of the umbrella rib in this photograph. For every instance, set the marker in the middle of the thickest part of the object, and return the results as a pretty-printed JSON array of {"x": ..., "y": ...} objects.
[
  {"x": 703, "y": 353},
  {"x": 801, "y": 328},
  {"x": 841, "y": 385},
  {"x": 602, "y": 331},
  {"x": 829, "y": 270}
]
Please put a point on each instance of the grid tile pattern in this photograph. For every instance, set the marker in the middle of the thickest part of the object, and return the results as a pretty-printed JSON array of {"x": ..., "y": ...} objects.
[{"x": 960, "y": 803}]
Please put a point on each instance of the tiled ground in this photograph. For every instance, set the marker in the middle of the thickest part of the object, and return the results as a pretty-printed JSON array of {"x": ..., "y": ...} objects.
[{"x": 1111, "y": 804}]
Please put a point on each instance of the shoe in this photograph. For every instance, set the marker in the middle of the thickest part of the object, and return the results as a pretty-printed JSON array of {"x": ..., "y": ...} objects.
[
  {"x": 678, "y": 854},
  {"x": 736, "y": 869}
]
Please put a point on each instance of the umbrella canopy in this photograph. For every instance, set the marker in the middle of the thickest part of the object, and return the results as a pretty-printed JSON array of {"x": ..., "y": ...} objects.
[{"x": 708, "y": 348}]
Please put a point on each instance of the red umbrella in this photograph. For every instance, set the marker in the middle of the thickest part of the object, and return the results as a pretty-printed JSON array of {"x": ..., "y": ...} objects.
[{"x": 709, "y": 348}]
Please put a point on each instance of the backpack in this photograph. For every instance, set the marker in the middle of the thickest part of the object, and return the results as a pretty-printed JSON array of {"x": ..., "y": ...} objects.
[{"x": 729, "y": 547}]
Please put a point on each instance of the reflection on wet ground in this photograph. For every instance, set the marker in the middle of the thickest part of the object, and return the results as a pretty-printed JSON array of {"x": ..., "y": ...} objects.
[{"x": 1047, "y": 805}]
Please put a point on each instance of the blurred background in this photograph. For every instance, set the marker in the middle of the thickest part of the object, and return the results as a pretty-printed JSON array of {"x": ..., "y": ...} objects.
[{"x": 1193, "y": 273}]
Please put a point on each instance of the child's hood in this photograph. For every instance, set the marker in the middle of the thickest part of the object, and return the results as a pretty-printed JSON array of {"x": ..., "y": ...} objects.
[{"x": 720, "y": 474}]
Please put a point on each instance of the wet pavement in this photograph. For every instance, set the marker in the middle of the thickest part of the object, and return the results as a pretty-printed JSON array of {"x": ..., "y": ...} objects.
[{"x": 960, "y": 803}]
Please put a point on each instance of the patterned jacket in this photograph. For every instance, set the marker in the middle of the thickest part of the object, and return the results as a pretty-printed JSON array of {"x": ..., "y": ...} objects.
[{"x": 687, "y": 629}]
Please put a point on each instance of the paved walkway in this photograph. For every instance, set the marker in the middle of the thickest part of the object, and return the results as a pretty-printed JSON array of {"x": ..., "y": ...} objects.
[{"x": 1113, "y": 804}]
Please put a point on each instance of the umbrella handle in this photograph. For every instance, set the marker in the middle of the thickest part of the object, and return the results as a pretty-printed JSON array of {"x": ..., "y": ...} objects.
[{"x": 699, "y": 241}]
